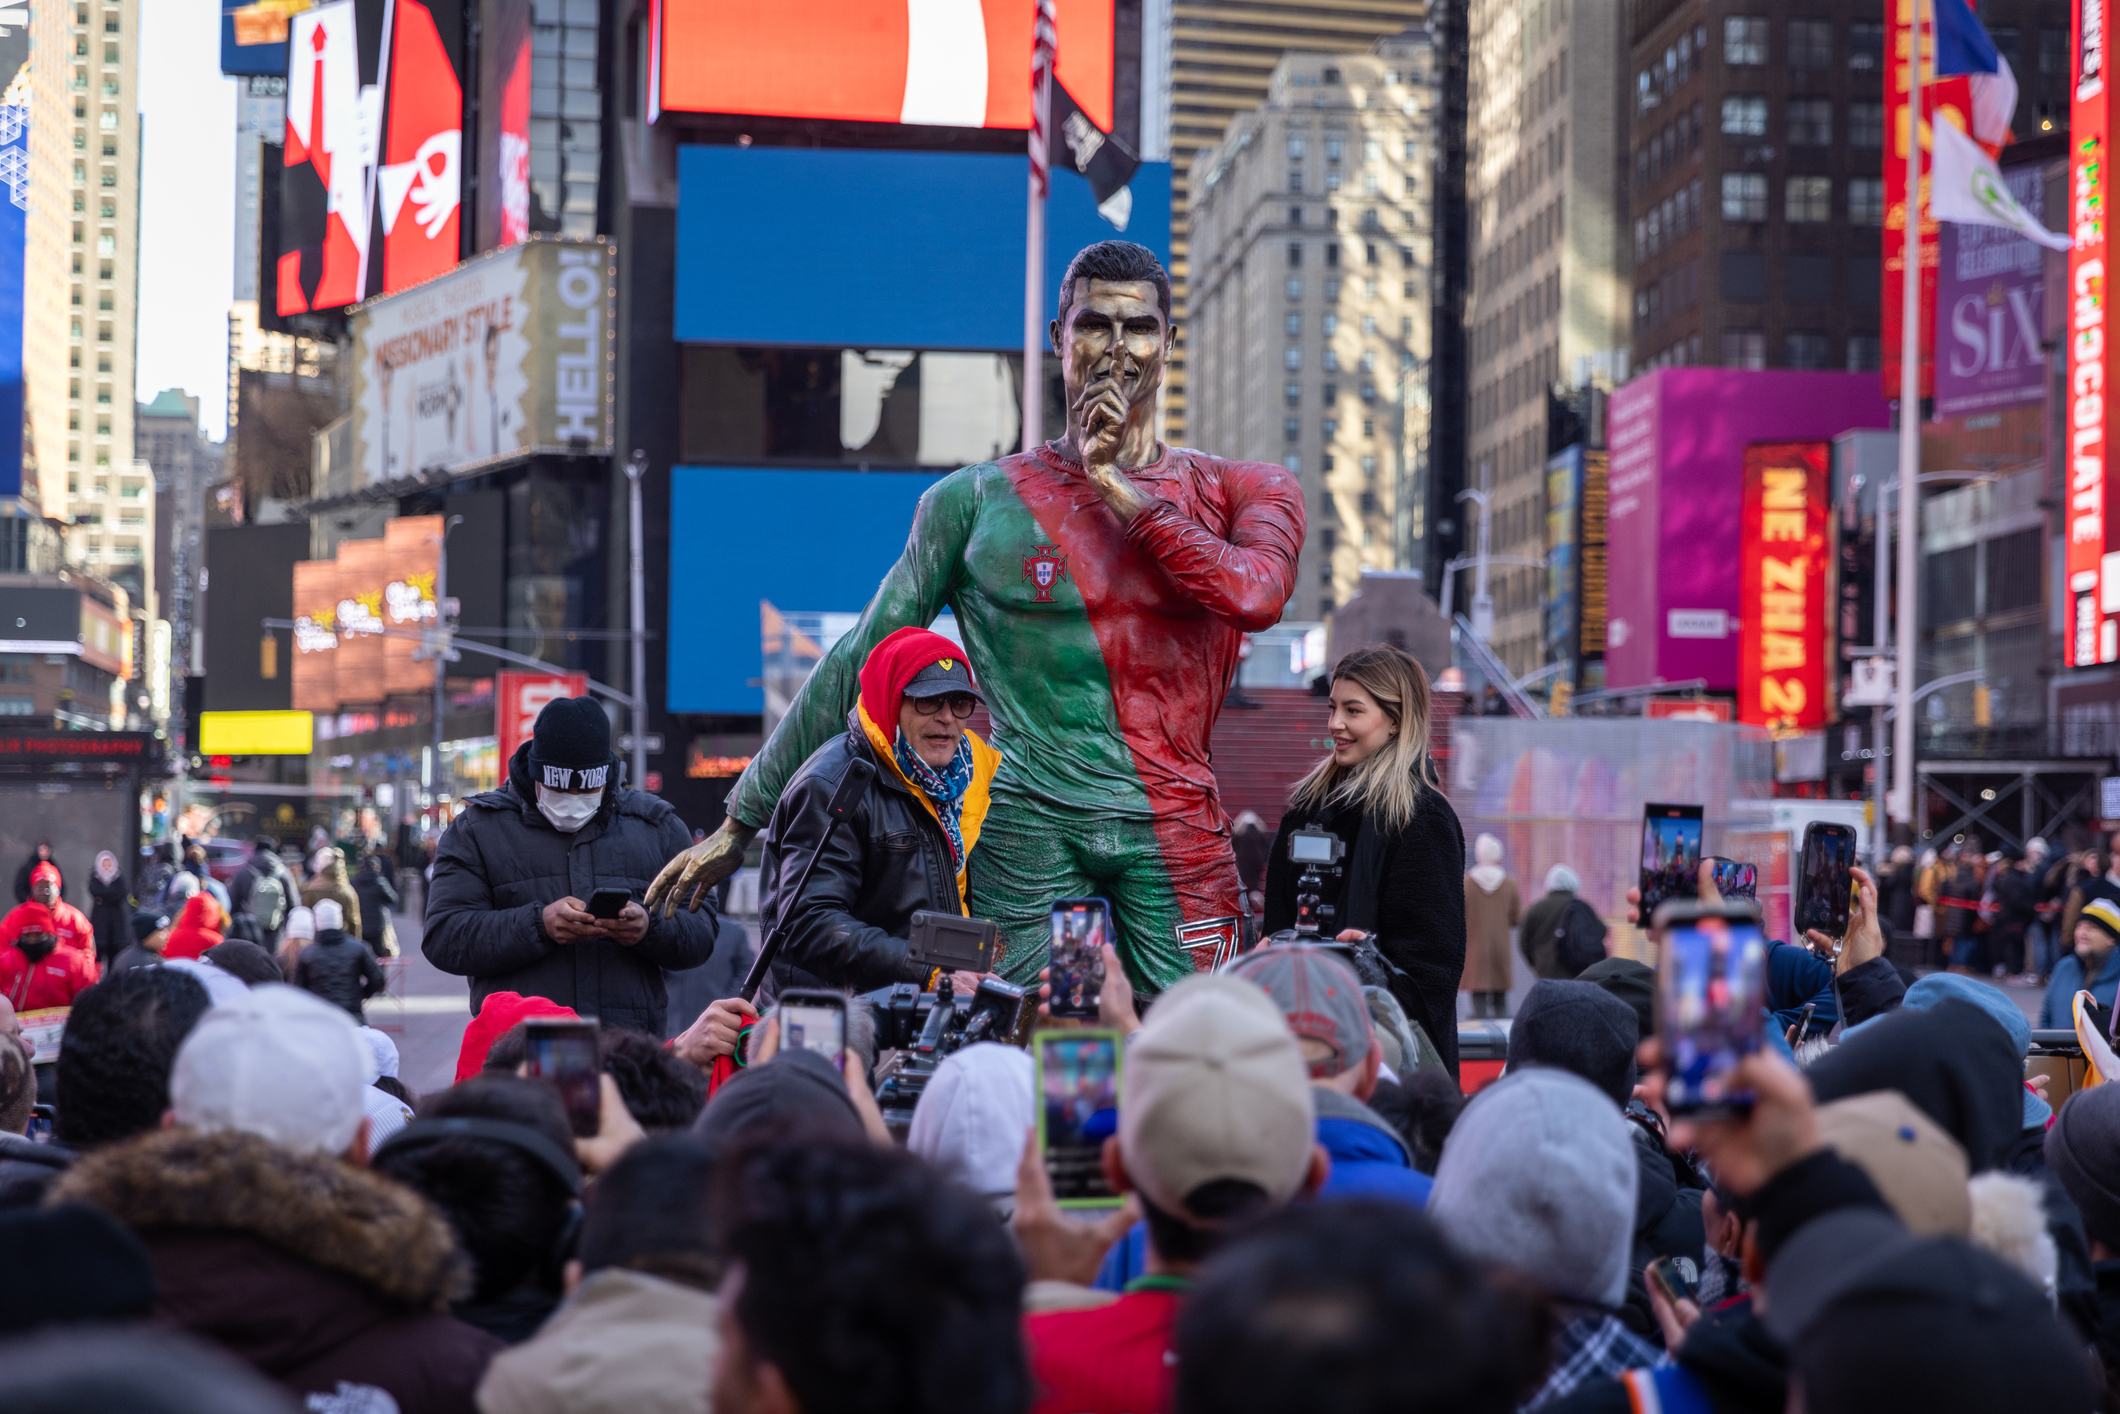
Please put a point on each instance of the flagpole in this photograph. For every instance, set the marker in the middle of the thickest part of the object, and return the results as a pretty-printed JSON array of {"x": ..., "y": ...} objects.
[
  {"x": 1042, "y": 46},
  {"x": 1901, "y": 802}
]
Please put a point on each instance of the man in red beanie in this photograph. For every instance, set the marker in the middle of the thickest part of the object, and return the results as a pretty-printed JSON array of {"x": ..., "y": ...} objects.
[
  {"x": 69, "y": 924},
  {"x": 905, "y": 846}
]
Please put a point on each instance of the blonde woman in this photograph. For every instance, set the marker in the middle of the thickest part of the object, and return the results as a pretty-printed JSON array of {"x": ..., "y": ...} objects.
[{"x": 1402, "y": 874}]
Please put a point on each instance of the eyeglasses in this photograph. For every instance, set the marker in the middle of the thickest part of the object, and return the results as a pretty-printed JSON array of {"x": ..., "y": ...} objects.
[{"x": 961, "y": 704}]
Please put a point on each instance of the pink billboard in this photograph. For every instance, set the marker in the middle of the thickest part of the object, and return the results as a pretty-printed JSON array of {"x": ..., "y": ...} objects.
[{"x": 1676, "y": 501}]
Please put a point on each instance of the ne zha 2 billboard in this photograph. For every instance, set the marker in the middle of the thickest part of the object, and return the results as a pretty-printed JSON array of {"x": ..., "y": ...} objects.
[{"x": 1784, "y": 638}]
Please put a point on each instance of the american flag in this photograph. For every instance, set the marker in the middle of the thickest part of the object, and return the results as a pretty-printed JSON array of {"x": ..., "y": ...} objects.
[{"x": 1042, "y": 45}]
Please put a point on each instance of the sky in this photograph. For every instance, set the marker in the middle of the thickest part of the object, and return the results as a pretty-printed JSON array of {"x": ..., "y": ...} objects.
[{"x": 187, "y": 200}]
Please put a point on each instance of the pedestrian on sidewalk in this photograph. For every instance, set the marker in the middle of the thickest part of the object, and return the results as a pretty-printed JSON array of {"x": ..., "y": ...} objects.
[
  {"x": 338, "y": 966},
  {"x": 1492, "y": 909}
]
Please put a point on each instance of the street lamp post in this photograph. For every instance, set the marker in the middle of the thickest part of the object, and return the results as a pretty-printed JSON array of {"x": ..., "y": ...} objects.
[
  {"x": 636, "y": 466},
  {"x": 439, "y": 646},
  {"x": 1901, "y": 800}
]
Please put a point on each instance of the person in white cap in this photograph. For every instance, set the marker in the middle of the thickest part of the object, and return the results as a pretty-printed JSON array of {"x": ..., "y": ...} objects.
[
  {"x": 267, "y": 1235},
  {"x": 1217, "y": 1125}
]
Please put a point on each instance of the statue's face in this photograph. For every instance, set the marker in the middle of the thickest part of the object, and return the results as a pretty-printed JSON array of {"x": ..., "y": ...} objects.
[{"x": 1115, "y": 336}]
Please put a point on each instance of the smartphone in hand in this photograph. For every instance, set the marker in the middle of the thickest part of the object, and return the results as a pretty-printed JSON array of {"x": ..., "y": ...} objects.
[
  {"x": 1075, "y": 971},
  {"x": 1826, "y": 879},
  {"x": 1670, "y": 855},
  {"x": 1078, "y": 1109},
  {"x": 815, "y": 1021},
  {"x": 1711, "y": 1001},
  {"x": 609, "y": 903},
  {"x": 563, "y": 1054}
]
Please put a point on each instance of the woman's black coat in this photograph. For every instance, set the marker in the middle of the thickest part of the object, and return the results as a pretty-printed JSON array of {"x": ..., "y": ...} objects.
[{"x": 1420, "y": 908}]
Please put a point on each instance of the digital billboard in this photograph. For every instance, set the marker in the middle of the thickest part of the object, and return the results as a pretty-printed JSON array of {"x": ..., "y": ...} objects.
[
  {"x": 942, "y": 63},
  {"x": 511, "y": 353},
  {"x": 2091, "y": 561},
  {"x": 1784, "y": 630},
  {"x": 254, "y": 34},
  {"x": 360, "y": 217},
  {"x": 14, "y": 213},
  {"x": 1991, "y": 311},
  {"x": 504, "y": 208}
]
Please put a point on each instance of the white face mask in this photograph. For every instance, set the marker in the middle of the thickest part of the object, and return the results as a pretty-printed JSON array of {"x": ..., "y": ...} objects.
[{"x": 567, "y": 811}]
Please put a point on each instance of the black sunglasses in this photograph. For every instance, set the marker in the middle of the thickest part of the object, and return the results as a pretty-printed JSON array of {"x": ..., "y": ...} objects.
[{"x": 961, "y": 704}]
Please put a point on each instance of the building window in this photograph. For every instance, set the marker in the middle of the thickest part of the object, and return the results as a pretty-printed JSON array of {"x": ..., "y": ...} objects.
[
  {"x": 1866, "y": 124},
  {"x": 1293, "y": 392},
  {"x": 1809, "y": 200},
  {"x": 1744, "y": 116},
  {"x": 1866, "y": 201},
  {"x": 1331, "y": 323},
  {"x": 1332, "y": 253},
  {"x": 1332, "y": 360},
  {"x": 1293, "y": 359},
  {"x": 1744, "y": 196},
  {"x": 2053, "y": 51},
  {"x": 1810, "y": 122},
  {"x": 1866, "y": 46},
  {"x": 1810, "y": 44},
  {"x": 1332, "y": 286},
  {"x": 1295, "y": 325},
  {"x": 1744, "y": 40},
  {"x": 1295, "y": 254},
  {"x": 1333, "y": 149},
  {"x": 1744, "y": 348},
  {"x": 1808, "y": 350},
  {"x": 1292, "y": 428},
  {"x": 1369, "y": 324},
  {"x": 1332, "y": 180},
  {"x": 1864, "y": 354},
  {"x": 1295, "y": 147},
  {"x": 1295, "y": 287}
]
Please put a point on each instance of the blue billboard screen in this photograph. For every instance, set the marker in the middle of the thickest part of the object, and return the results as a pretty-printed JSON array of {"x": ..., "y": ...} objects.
[
  {"x": 801, "y": 540},
  {"x": 868, "y": 249},
  {"x": 254, "y": 35}
]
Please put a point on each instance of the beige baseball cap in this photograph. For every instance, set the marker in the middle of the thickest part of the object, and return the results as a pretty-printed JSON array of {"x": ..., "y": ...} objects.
[
  {"x": 1215, "y": 1087},
  {"x": 1918, "y": 1167}
]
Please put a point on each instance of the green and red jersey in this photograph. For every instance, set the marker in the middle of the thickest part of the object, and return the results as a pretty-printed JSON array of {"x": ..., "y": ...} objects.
[{"x": 1103, "y": 650}]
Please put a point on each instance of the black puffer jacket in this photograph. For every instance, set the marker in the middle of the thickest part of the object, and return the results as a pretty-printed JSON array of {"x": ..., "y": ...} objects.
[
  {"x": 887, "y": 862},
  {"x": 500, "y": 862},
  {"x": 339, "y": 968}
]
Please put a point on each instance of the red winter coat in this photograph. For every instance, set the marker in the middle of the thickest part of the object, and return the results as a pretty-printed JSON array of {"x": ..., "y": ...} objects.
[
  {"x": 54, "y": 980},
  {"x": 65, "y": 922},
  {"x": 196, "y": 929}
]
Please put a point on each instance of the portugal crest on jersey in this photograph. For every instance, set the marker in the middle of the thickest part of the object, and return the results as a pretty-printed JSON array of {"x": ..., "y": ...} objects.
[{"x": 1044, "y": 567}]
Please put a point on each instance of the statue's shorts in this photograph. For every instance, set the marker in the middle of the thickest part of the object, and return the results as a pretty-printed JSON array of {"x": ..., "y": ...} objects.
[{"x": 1157, "y": 876}]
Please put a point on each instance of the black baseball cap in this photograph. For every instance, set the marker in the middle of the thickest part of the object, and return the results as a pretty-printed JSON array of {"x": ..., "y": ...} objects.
[
  {"x": 941, "y": 678},
  {"x": 147, "y": 921}
]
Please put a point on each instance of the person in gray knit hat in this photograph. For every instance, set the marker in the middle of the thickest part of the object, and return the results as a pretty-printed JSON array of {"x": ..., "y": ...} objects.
[{"x": 1540, "y": 1175}]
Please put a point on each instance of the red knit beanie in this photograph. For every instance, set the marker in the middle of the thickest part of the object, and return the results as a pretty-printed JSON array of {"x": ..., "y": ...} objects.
[{"x": 892, "y": 664}]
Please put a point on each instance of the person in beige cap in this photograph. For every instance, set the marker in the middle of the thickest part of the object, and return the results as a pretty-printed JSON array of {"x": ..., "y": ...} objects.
[{"x": 1216, "y": 1126}]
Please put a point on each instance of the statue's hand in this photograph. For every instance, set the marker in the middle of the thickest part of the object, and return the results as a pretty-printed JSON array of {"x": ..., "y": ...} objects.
[
  {"x": 1103, "y": 425},
  {"x": 687, "y": 878}
]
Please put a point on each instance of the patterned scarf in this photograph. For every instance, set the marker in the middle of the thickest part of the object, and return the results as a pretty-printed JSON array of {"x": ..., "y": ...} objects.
[{"x": 944, "y": 787}]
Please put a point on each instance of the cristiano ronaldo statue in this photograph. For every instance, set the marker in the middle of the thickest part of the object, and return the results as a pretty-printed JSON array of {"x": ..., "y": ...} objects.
[{"x": 1102, "y": 584}]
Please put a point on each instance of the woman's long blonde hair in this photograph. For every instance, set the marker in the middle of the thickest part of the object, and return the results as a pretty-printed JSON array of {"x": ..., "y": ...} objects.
[{"x": 1387, "y": 786}]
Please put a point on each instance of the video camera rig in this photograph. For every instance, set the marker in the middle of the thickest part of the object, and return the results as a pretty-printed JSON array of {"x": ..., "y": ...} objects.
[{"x": 916, "y": 1028}]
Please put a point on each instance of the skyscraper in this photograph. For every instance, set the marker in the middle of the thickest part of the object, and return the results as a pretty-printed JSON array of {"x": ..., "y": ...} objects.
[
  {"x": 81, "y": 273},
  {"x": 1550, "y": 272},
  {"x": 1222, "y": 57},
  {"x": 1313, "y": 236}
]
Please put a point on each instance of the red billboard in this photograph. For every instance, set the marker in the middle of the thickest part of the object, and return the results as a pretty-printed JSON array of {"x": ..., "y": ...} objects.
[
  {"x": 519, "y": 697},
  {"x": 942, "y": 63},
  {"x": 2093, "y": 634},
  {"x": 361, "y": 217},
  {"x": 1952, "y": 97},
  {"x": 1783, "y": 638}
]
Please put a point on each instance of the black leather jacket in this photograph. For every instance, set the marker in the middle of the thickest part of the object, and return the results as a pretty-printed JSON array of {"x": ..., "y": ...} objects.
[{"x": 888, "y": 861}]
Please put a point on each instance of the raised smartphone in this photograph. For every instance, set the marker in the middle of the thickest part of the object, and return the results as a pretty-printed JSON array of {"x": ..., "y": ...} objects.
[
  {"x": 1828, "y": 883},
  {"x": 562, "y": 1053},
  {"x": 1078, "y": 1109},
  {"x": 815, "y": 1021},
  {"x": 1075, "y": 973},
  {"x": 1711, "y": 1001},
  {"x": 1670, "y": 855}
]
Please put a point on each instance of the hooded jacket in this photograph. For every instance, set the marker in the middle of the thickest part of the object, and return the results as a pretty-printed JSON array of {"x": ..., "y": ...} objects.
[
  {"x": 331, "y": 882},
  {"x": 55, "y": 979},
  {"x": 325, "y": 1277},
  {"x": 500, "y": 863},
  {"x": 194, "y": 932},
  {"x": 27, "y": 1168},
  {"x": 1953, "y": 1062},
  {"x": 341, "y": 969},
  {"x": 1369, "y": 1159},
  {"x": 888, "y": 861},
  {"x": 624, "y": 1343}
]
